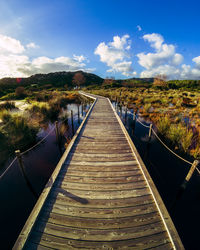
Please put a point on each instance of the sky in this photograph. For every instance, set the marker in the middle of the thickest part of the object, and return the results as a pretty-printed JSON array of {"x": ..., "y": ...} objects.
[{"x": 110, "y": 38}]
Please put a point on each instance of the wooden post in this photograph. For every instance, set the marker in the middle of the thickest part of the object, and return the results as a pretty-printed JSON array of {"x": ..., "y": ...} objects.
[
  {"x": 133, "y": 115},
  {"x": 78, "y": 114},
  {"x": 190, "y": 173},
  {"x": 21, "y": 165},
  {"x": 150, "y": 130},
  {"x": 117, "y": 108},
  {"x": 72, "y": 121},
  {"x": 125, "y": 114},
  {"x": 184, "y": 184},
  {"x": 82, "y": 109},
  {"x": 57, "y": 132}
]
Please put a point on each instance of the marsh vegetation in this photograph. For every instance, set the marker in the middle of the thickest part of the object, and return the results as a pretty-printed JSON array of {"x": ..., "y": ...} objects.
[
  {"x": 174, "y": 112},
  {"x": 20, "y": 121}
]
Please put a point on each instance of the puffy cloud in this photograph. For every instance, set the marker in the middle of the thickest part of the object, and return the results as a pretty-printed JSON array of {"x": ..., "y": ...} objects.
[
  {"x": 165, "y": 53},
  {"x": 32, "y": 46},
  {"x": 168, "y": 70},
  {"x": 164, "y": 60},
  {"x": 124, "y": 67},
  {"x": 197, "y": 61},
  {"x": 114, "y": 54},
  {"x": 155, "y": 40},
  {"x": 11, "y": 45},
  {"x": 15, "y": 63},
  {"x": 80, "y": 58}
]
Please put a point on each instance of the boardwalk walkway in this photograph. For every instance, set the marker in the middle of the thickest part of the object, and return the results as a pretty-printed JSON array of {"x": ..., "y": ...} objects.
[{"x": 102, "y": 198}]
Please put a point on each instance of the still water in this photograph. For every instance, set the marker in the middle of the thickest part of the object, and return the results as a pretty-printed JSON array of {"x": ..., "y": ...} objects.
[
  {"x": 166, "y": 170},
  {"x": 168, "y": 173},
  {"x": 16, "y": 199}
]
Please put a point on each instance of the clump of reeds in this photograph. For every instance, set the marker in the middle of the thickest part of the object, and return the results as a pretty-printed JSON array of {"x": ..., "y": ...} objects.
[
  {"x": 18, "y": 132},
  {"x": 7, "y": 105}
]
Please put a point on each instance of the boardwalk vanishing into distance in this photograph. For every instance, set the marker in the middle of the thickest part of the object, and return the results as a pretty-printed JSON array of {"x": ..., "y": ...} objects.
[{"x": 100, "y": 195}]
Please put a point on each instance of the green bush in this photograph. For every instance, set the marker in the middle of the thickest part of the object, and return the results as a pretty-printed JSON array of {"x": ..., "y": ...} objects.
[{"x": 163, "y": 125}]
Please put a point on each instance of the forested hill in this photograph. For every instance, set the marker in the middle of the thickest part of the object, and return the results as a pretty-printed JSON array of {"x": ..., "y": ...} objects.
[{"x": 57, "y": 79}]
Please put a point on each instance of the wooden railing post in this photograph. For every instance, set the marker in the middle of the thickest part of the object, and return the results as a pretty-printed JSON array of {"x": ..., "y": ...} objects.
[
  {"x": 78, "y": 114},
  {"x": 72, "y": 121},
  {"x": 190, "y": 173},
  {"x": 120, "y": 109},
  {"x": 133, "y": 115},
  {"x": 82, "y": 109},
  {"x": 150, "y": 130},
  {"x": 21, "y": 165},
  {"x": 57, "y": 132},
  {"x": 125, "y": 114}
]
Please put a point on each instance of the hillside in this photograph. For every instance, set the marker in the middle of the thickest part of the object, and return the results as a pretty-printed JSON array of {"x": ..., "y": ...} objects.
[{"x": 57, "y": 79}]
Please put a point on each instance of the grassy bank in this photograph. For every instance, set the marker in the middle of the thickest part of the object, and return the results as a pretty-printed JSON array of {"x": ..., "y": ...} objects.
[
  {"x": 175, "y": 113},
  {"x": 19, "y": 128}
]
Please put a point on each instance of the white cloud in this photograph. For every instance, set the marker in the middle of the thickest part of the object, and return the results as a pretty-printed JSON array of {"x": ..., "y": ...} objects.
[
  {"x": 197, "y": 61},
  {"x": 32, "y": 46},
  {"x": 114, "y": 54},
  {"x": 155, "y": 40},
  {"x": 139, "y": 28},
  {"x": 80, "y": 58},
  {"x": 11, "y": 45},
  {"x": 165, "y": 53},
  {"x": 164, "y": 60},
  {"x": 15, "y": 63}
]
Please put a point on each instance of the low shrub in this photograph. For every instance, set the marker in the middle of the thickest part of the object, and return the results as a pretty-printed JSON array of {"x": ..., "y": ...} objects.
[{"x": 163, "y": 125}]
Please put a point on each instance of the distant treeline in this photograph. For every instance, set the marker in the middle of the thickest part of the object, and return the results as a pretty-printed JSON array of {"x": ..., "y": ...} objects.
[
  {"x": 184, "y": 84},
  {"x": 47, "y": 81},
  {"x": 66, "y": 81}
]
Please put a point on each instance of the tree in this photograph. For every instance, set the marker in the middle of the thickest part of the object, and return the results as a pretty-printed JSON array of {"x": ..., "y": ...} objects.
[
  {"x": 78, "y": 79},
  {"x": 160, "y": 81},
  {"x": 20, "y": 91}
]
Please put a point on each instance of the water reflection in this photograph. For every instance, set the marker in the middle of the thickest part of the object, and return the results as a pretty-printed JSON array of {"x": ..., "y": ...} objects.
[
  {"x": 168, "y": 173},
  {"x": 16, "y": 199}
]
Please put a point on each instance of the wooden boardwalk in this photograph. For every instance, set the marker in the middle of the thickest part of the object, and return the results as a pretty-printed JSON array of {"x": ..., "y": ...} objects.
[{"x": 100, "y": 196}]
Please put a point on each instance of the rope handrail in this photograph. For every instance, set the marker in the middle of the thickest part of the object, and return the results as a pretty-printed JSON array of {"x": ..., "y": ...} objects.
[
  {"x": 165, "y": 144},
  {"x": 8, "y": 167},
  {"x": 146, "y": 126},
  {"x": 22, "y": 153},
  {"x": 170, "y": 149},
  {"x": 39, "y": 142}
]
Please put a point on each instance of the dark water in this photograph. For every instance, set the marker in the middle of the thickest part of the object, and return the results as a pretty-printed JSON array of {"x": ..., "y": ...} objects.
[
  {"x": 16, "y": 198},
  {"x": 168, "y": 173}
]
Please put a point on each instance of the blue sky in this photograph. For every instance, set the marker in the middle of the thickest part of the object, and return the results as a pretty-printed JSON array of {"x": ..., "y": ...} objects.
[{"x": 109, "y": 38}]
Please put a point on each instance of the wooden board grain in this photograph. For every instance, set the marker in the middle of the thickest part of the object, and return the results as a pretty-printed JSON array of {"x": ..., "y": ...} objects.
[{"x": 101, "y": 198}]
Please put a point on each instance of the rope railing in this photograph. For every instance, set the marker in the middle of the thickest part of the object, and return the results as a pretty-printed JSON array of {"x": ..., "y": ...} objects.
[
  {"x": 8, "y": 167},
  {"x": 146, "y": 126},
  {"x": 43, "y": 139},
  {"x": 38, "y": 143},
  {"x": 159, "y": 139}
]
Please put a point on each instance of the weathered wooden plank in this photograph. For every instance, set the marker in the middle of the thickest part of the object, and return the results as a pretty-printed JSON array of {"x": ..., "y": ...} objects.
[
  {"x": 103, "y": 168},
  {"x": 66, "y": 243},
  {"x": 105, "y": 163},
  {"x": 97, "y": 180},
  {"x": 101, "y": 159},
  {"x": 101, "y": 197},
  {"x": 99, "y": 213},
  {"x": 100, "y": 174},
  {"x": 101, "y": 187},
  {"x": 114, "y": 223},
  {"x": 98, "y": 235},
  {"x": 106, "y": 194},
  {"x": 76, "y": 201}
]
